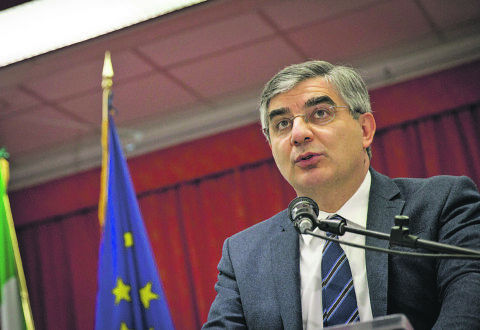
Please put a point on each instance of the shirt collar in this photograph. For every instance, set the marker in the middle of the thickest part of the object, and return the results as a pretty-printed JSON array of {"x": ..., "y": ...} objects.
[{"x": 354, "y": 210}]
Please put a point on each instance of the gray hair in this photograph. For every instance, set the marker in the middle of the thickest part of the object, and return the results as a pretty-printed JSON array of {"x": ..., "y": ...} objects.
[{"x": 346, "y": 81}]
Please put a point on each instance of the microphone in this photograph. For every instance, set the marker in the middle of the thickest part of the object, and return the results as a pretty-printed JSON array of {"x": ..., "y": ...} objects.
[
  {"x": 303, "y": 212},
  {"x": 335, "y": 225}
]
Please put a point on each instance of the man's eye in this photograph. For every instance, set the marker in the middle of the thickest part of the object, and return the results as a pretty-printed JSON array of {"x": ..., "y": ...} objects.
[
  {"x": 282, "y": 124},
  {"x": 321, "y": 114}
]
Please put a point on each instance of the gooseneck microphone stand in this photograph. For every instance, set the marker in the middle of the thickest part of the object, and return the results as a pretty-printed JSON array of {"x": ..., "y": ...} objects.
[{"x": 399, "y": 236}]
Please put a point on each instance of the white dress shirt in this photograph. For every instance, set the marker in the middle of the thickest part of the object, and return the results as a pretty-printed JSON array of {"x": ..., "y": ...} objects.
[{"x": 355, "y": 211}]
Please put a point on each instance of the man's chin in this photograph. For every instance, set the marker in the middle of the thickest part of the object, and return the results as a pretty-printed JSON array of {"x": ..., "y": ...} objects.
[{"x": 310, "y": 184}]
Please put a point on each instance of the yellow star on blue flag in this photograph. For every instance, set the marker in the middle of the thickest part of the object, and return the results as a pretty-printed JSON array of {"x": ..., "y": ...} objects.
[
  {"x": 121, "y": 292},
  {"x": 146, "y": 295}
]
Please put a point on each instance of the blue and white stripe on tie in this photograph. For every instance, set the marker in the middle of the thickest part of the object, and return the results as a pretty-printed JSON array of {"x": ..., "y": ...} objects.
[{"x": 338, "y": 293}]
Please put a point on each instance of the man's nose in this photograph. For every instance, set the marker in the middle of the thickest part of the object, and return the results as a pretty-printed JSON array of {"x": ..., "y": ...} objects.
[{"x": 301, "y": 131}]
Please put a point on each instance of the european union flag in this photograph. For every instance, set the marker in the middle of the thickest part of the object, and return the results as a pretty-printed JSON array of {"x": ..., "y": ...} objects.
[{"x": 130, "y": 294}]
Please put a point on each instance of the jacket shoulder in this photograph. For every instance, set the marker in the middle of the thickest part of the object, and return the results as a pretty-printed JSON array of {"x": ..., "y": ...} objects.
[
  {"x": 434, "y": 184},
  {"x": 273, "y": 224}
]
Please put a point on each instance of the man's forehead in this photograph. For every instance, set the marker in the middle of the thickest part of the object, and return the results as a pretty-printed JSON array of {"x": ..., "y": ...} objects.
[{"x": 305, "y": 91}]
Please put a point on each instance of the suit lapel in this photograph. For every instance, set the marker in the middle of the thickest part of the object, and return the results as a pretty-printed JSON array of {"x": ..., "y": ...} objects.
[
  {"x": 384, "y": 204},
  {"x": 285, "y": 262}
]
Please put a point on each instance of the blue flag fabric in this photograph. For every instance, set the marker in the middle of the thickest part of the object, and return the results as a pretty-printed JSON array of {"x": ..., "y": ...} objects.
[{"x": 130, "y": 294}]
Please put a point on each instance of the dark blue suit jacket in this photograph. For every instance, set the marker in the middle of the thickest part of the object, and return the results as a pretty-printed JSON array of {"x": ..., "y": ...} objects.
[{"x": 259, "y": 276}]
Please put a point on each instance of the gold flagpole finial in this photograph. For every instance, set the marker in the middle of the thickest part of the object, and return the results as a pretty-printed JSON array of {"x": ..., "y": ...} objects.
[{"x": 107, "y": 72}]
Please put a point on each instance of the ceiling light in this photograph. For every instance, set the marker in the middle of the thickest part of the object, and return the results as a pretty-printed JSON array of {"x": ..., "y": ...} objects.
[{"x": 41, "y": 26}]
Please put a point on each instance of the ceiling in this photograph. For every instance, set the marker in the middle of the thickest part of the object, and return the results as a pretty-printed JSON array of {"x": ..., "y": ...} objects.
[{"x": 200, "y": 70}]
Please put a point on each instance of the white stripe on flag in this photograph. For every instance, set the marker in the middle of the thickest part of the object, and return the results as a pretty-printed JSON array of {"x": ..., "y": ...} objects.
[{"x": 11, "y": 306}]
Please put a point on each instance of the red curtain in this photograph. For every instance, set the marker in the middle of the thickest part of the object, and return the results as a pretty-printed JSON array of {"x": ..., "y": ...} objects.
[
  {"x": 195, "y": 195},
  {"x": 188, "y": 223},
  {"x": 59, "y": 258},
  {"x": 443, "y": 143}
]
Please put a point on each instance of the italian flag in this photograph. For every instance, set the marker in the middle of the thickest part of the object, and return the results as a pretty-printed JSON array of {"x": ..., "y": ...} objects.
[{"x": 12, "y": 317}]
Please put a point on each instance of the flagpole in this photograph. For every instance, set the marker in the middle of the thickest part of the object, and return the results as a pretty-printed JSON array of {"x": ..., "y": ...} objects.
[
  {"x": 27, "y": 310},
  {"x": 107, "y": 83}
]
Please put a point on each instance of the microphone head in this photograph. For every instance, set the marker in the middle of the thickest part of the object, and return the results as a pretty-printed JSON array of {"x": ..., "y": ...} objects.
[{"x": 303, "y": 207}]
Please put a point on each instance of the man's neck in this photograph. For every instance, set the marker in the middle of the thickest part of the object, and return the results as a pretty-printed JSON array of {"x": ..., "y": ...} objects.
[{"x": 331, "y": 200}]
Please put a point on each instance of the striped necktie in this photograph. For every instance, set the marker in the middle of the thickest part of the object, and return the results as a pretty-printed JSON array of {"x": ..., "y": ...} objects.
[{"x": 338, "y": 293}]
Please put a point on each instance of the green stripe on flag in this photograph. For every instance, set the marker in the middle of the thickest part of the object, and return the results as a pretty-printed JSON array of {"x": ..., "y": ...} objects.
[
  {"x": 11, "y": 307},
  {"x": 7, "y": 259}
]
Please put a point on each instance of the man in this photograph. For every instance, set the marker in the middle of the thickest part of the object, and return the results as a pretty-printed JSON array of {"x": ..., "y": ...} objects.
[{"x": 319, "y": 124}]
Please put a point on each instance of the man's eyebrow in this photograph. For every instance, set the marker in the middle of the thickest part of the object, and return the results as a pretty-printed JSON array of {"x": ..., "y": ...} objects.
[
  {"x": 318, "y": 100},
  {"x": 309, "y": 103},
  {"x": 278, "y": 112}
]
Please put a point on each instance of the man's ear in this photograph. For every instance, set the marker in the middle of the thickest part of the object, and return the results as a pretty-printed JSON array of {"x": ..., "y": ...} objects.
[
  {"x": 268, "y": 140},
  {"x": 368, "y": 125}
]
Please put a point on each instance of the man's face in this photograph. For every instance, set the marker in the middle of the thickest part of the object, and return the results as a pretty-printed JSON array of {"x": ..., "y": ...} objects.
[{"x": 313, "y": 157}]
